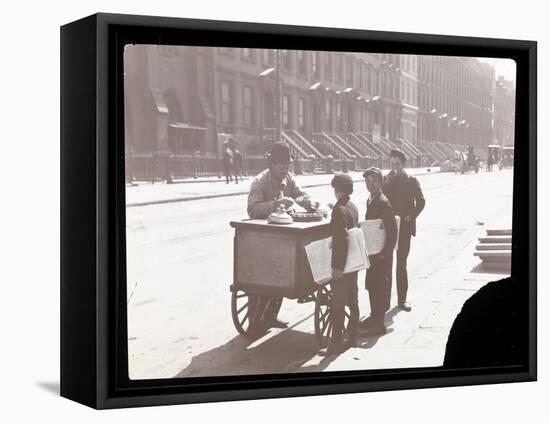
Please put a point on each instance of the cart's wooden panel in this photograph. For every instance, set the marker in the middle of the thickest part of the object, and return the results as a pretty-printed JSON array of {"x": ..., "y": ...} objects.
[
  {"x": 266, "y": 259},
  {"x": 271, "y": 260}
]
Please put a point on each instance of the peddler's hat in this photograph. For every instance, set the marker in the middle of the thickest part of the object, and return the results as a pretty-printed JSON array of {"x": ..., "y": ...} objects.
[
  {"x": 280, "y": 153},
  {"x": 373, "y": 171},
  {"x": 343, "y": 182},
  {"x": 399, "y": 154}
]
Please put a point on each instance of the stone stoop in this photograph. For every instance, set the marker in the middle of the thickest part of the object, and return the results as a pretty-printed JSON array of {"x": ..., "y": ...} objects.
[{"x": 495, "y": 249}]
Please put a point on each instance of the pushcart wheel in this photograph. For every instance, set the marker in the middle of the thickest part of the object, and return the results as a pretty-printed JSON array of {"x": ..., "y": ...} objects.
[
  {"x": 247, "y": 312},
  {"x": 323, "y": 324}
]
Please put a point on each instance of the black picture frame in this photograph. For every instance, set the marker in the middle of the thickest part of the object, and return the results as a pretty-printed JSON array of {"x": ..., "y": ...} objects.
[{"x": 93, "y": 301}]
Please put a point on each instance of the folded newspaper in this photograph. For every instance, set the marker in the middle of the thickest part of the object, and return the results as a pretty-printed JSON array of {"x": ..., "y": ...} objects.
[
  {"x": 319, "y": 255},
  {"x": 375, "y": 234}
]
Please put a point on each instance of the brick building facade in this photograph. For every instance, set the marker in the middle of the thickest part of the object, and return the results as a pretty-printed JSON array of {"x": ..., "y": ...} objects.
[
  {"x": 455, "y": 100},
  {"x": 346, "y": 105},
  {"x": 504, "y": 112}
]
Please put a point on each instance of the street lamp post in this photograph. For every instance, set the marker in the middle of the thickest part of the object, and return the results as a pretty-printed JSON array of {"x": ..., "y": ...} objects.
[
  {"x": 441, "y": 117},
  {"x": 275, "y": 70},
  {"x": 278, "y": 94},
  {"x": 435, "y": 124}
]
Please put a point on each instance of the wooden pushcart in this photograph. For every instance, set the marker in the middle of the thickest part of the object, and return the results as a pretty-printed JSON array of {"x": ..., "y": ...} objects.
[{"x": 270, "y": 261}]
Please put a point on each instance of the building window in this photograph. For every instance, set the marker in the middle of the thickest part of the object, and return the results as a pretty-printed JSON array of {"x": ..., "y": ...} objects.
[
  {"x": 328, "y": 65},
  {"x": 302, "y": 63},
  {"x": 248, "y": 103},
  {"x": 301, "y": 114},
  {"x": 168, "y": 51},
  {"x": 286, "y": 111},
  {"x": 287, "y": 60},
  {"x": 268, "y": 57},
  {"x": 249, "y": 54},
  {"x": 316, "y": 65},
  {"x": 349, "y": 71},
  {"x": 226, "y": 50},
  {"x": 369, "y": 80},
  {"x": 226, "y": 108},
  {"x": 339, "y": 68},
  {"x": 328, "y": 113}
]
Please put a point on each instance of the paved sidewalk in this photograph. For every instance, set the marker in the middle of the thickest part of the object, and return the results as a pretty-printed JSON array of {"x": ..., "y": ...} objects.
[
  {"x": 147, "y": 193},
  {"x": 418, "y": 338}
]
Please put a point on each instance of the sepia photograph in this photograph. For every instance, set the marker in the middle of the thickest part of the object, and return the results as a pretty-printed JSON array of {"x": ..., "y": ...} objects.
[{"x": 293, "y": 211}]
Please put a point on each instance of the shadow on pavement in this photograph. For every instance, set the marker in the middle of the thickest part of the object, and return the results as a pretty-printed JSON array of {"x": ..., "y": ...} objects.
[
  {"x": 365, "y": 342},
  {"x": 289, "y": 351},
  {"x": 390, "y": 315},
  {"x": 283, "y": 353}
]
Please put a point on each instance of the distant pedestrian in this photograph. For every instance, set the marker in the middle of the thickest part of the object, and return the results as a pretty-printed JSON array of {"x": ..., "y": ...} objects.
[
  {"x": 492, "y": 157},
  {"x": 237, "y": 164},
  {"x": 227, "y": 160},
  {"x": 407, "y": 201}
]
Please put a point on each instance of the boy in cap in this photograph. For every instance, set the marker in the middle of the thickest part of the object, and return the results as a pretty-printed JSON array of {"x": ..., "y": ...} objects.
[
  {"x": 407, "y": 201},
  {"x": 344, "y": 287},
  {"x": 378, "y": 277}
]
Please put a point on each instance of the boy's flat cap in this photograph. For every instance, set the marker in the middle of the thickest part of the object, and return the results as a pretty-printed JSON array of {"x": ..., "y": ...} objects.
[
  {"x": 373, "y": 171},
  {"x": 398, "y": 153}
]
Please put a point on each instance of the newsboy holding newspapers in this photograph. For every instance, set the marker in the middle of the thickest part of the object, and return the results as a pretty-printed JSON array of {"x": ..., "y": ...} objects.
[
  {"x": 344, "y": 286},
  {"x": 378, "y": 277}
]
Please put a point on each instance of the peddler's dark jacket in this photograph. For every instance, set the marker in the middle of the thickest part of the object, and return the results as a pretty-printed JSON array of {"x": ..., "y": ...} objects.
[
  {"x": 380, "y": 208},
  {"x": 344, "y": 216},
  {"x": 405, "y": 196}
]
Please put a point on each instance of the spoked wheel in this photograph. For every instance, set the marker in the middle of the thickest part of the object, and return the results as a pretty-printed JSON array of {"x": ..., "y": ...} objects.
[
  {"x": 323, "y": 323},
  {"x": 247, "y": 311}
]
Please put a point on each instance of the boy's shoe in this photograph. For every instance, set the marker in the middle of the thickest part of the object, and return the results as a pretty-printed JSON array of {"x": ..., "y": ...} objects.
[
  {"x": 376, "y": 330},
  {"x": 365, "y": 324},
  {"x": 405, "y": 306},
  {"x": 279, "y": 324}
]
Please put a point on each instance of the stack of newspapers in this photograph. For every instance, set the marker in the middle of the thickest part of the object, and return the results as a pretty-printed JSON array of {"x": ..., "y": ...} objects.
[{"x": 366, "y": 240}]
